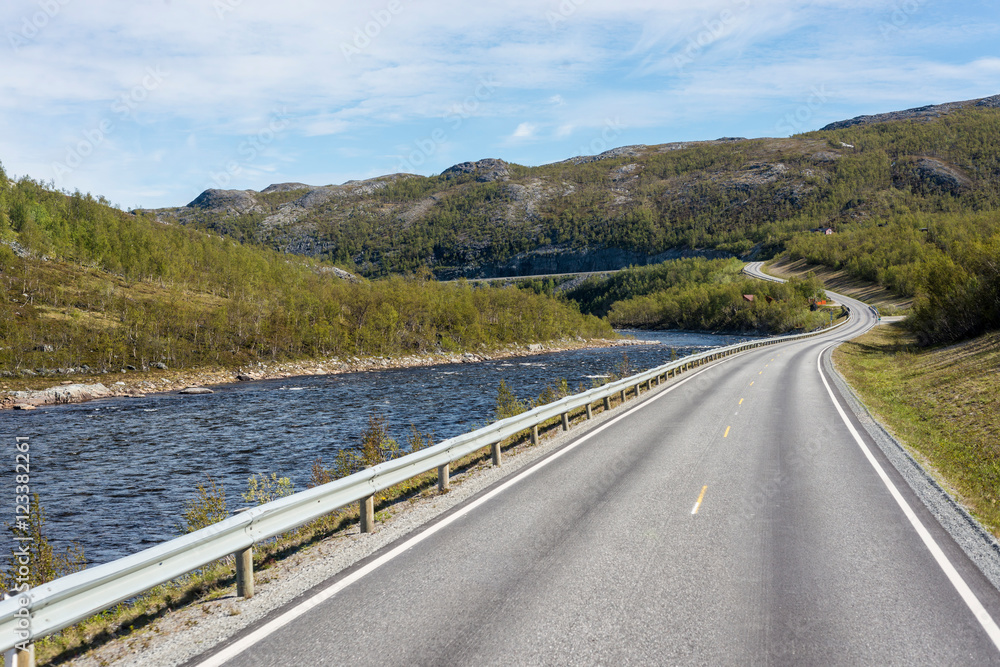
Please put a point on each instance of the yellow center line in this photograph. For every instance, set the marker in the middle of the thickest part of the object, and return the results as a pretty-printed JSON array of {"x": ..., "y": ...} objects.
[
  {"x": 741, "y": 401},
  {"x": 726, "y": 434},
  {"x": 761, "y": 373},
  {"x": 751, "y": 384},
  {"x": 701, "y": 497}
]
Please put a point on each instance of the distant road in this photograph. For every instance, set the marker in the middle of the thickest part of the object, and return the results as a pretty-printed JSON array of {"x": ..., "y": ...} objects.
[
  {"x": 740, "y": 515},
  {"x": 755, "y": 269},
  {"x": 539, "y": 277}
]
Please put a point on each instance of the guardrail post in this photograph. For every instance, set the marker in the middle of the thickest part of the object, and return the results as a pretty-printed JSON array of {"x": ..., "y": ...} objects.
[
  {"x": 623, "y": 395},
  {"x": 649, "y": 384},
  {"x": 444, "y": 477},
  {"x": 590, "y": 411},
  {"x": 637, "y": 390},
  {"x": 607, "y": 403},
  {"x": 367, "y": 508},
  {"x": 20, "y": 657},
  {"x": 534, "y": 434},
  {"x": 565, "y": 421},
  {"x": 495, "y": 449},
  {"x": 244, "y": 573}
]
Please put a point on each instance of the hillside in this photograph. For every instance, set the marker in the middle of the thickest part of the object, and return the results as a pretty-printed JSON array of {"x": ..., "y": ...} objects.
[
  {"x": 86, "y": 288},
  {"x": 631, "y": 205}
]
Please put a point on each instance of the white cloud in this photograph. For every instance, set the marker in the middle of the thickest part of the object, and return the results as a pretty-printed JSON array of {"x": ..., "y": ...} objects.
[
  {"x": 471, "y": 71},
  {"x": 524, "y": 131}
]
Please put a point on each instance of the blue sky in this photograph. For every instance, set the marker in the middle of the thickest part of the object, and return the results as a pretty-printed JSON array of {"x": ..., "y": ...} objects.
[{"x": 150, "y": 103}]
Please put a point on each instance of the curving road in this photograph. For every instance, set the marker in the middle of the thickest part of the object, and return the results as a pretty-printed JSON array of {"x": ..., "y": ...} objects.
[{"x": 732, "y": 517}]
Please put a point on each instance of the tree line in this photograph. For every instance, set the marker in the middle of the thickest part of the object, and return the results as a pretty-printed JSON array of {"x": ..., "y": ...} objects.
[
  {"x": 108, "y": 289},
  {"x": 701, "y": 294}
]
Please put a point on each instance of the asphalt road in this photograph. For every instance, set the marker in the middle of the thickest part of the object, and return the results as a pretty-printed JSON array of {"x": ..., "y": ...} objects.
[{"x": 729, "y": 519}]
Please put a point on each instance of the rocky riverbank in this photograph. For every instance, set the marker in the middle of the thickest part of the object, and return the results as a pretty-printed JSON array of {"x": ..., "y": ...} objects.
[{"x": 139, "y": 383}]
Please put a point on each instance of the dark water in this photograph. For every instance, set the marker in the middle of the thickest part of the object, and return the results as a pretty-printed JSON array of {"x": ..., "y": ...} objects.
[{"x": 114, "y": 475}]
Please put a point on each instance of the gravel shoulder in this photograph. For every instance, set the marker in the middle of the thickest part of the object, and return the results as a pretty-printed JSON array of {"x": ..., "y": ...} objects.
[{"x": 975, "y": 540}]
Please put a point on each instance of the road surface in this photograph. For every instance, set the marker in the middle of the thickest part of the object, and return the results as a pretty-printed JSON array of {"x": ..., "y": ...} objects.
[{"x": 731, "y": 518}]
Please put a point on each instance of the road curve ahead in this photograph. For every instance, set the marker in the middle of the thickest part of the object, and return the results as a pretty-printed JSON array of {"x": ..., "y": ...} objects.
[{"x": 729, "y": 518}]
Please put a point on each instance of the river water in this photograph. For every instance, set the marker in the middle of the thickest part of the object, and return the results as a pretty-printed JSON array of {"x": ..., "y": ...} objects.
[{"x": 114, "y": 475}]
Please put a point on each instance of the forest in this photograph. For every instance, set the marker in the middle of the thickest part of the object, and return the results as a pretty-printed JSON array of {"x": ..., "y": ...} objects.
[
  {"x": 85, "y": 284},
  {"x": 702, "y": 294}
]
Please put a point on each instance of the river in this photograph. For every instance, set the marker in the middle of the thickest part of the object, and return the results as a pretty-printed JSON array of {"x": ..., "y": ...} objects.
[{"x": 114, "y": 475}]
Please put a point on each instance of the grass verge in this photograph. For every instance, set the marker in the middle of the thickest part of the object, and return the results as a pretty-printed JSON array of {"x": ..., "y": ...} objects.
[{"x": 941, "y": 402}]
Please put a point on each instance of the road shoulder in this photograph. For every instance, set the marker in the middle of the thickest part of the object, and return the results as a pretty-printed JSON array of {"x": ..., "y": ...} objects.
[{"x": 975, "y": 541}]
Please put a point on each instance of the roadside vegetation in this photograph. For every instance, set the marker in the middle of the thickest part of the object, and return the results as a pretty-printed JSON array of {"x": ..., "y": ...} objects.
[
  {"x": 941, "y": 402},
  {"x": 947, "y": 263}
]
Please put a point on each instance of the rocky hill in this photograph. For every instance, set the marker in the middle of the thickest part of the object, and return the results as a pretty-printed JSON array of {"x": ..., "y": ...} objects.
[
  {"x": 630, "y": 205},
  {"x": 924, "y": 113}
]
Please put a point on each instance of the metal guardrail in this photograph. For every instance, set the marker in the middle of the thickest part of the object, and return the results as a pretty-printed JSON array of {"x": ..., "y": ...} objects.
[{"x": 62, "y": 602}]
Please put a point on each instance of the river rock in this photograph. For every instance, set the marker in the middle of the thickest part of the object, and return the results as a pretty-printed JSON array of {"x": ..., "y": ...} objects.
[
  {"x": 195, "y": 390},
  {"x": 70, "y": 393}
]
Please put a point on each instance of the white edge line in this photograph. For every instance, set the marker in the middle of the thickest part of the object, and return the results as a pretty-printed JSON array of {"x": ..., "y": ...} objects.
[
  {"x": 303, "y": 607},
  {"x": 970, "y": 599}
]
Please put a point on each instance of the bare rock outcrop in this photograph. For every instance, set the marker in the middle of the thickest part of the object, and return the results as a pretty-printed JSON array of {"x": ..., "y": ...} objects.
[
  {"x": 228, "y": 201},
  {"x": 930, "y": 174},
  {"x": 286, "y": 187},
  {"x": 486, "y": 170}
]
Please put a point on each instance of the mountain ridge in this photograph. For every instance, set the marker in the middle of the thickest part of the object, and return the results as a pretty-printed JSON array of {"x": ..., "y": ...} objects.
[
  {"x": 926, "y": 112},
  {"x": 630, "y": 205}
]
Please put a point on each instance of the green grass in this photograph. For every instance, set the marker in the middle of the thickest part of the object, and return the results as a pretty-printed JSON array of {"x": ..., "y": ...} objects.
[{"x": 941, "y": 402}]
